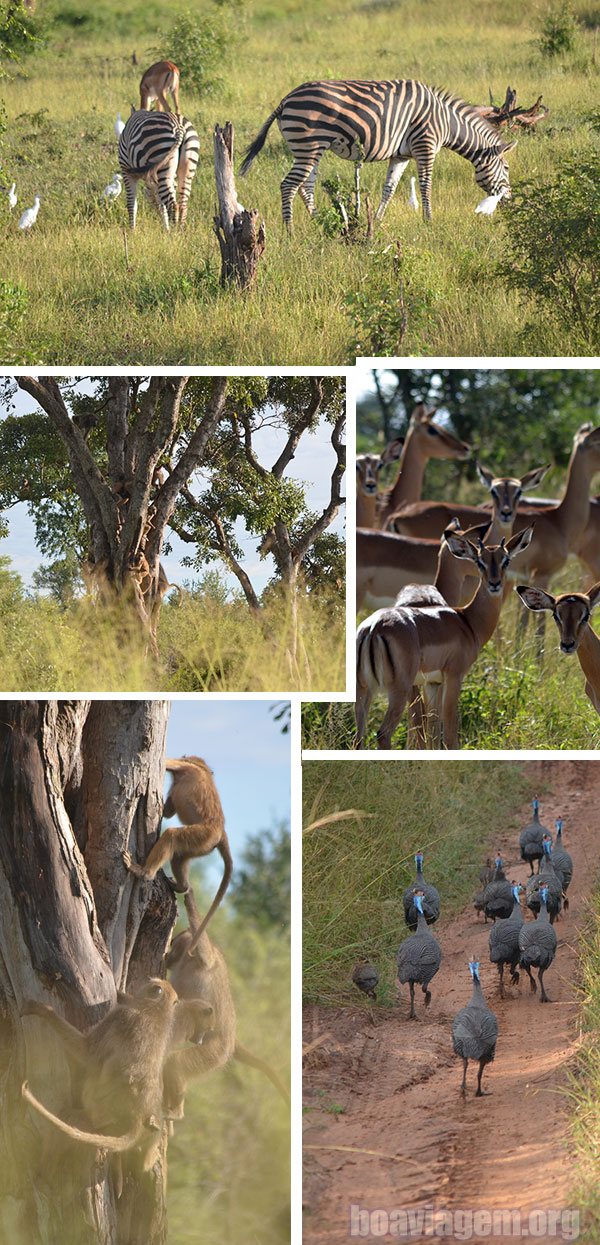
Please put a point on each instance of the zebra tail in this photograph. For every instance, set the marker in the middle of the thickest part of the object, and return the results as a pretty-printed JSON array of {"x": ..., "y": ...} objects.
[{"x": 259, "y": 141}]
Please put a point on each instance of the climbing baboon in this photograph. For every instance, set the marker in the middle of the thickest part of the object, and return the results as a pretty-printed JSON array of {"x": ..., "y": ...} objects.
[{"x": 195, "y": 800}]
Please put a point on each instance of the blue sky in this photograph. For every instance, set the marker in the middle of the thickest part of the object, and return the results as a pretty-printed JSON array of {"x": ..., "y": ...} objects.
[
  {"x": 249, "y": 756},
  {"x": 313, "y": 462}
]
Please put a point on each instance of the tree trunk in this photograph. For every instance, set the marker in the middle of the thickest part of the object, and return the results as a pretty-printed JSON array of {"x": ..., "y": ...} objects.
[
  {"x": 240, "y": 234},
  {"x": 79, "y": 781}
]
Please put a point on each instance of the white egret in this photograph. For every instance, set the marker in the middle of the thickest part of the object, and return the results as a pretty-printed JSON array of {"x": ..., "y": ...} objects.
[
  {"x": 12, "y": 196},
  {"x": 114, "y": 188},
  {"x": 29, "y": 216},
  {"x": 119, "y": 125}
]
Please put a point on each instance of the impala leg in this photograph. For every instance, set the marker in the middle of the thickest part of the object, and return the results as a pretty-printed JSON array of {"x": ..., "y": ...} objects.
[
  {"x": 397, "y": 698},
  {"x": 452, "y": 686},
  {"x": 361, "y": 713}
]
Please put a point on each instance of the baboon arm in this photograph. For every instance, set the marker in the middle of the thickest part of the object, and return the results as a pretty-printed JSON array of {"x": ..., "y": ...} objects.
[
  {"x": 74, "y": 1041},
  {"x": 117, "y": 1144},
  {"x": 243, "y": 1055},
  {"x": 168, "y": 807},
  {"x": 223, "y": 848}
]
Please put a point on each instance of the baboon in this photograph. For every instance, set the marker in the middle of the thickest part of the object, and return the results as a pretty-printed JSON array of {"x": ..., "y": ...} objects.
[
  {"x": 122, "y": 1059},
  {"x": 195, "y": 800},
  {"x": 161, "y": 77},
  {"x": 204, "y": 975}
]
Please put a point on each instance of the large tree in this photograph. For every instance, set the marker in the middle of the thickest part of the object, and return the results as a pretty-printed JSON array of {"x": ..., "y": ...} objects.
[
  {"x": 81, "y": 782},
  {"x": 110, "y": 473}
]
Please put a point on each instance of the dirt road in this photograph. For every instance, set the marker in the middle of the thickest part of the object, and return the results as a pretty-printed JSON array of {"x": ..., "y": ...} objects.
[{"x": 389, "y": 1091}]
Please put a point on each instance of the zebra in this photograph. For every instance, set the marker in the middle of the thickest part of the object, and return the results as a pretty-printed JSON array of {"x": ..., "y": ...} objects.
[
  {"x": 394, "y": 121},
  {"x": 158, "y": 146}
]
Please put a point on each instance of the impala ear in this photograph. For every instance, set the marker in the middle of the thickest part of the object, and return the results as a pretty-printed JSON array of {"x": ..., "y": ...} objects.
[
  {"x": 392, "y": 451},
  {"x": 532, "y": 478},
  {"x": 420, "y": 414},
  {"x": 518, "y": 543},
  {"x": 485, "y": 475},
  {"x": 460, "y": 546},
  {"x": 536, "y": 598},
  {"x": 593, "y": 595}
]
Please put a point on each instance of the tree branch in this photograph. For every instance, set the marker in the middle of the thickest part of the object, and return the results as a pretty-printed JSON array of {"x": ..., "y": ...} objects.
[
  {"x": 291, "y": 445},
  {"x": 335, "y": 499}
]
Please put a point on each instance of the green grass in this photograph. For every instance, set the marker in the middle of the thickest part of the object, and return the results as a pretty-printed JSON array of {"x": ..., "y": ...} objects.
[
  {"x": 87, "y": 304},
  {"x": 508, "y": 700},
  {"x": 229, "y": 1156},
  {"x": 585, "y": 1081},
  {"x": 203, "y": 647},
  {"x": 355, "y": 871}
]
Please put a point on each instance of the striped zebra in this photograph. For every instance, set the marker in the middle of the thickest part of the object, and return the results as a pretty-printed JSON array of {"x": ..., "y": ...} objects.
[
  {"x": 159, "y": 146},
  {"x": 395, "y": 121}
]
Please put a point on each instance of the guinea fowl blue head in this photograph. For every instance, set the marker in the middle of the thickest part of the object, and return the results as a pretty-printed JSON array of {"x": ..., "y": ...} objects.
[
  {"x": 559, "y": 826},
  {"x": 547, "y": 845},
  {"x": 516, "y": 890},
  {"x": 474, "y": 969},
  {"x": 418, "y": 901},
  {"x": 536, "y": 804},
  {"x": 498, "y": 862},
  {"x": 544, "y": 894},
  {"x": 419, "y": 861}
]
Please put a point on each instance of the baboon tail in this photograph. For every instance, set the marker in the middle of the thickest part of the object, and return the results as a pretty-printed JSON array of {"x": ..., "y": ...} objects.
[
  {"x": 259, "y": 141},
  {"x": 243, "y": 1055},
  {"x": 102, "y": 1142},
  {"x": 223, "y": 848}
]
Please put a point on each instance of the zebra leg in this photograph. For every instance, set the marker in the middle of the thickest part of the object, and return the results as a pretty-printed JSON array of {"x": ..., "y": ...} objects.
[
  {"x": 186, "y": 171},
  {"x": 395, "y": 170},
  {"x": 307, "y": 190},
  {"x": 165, "y": 177},
  {"x": 130, "y": 184},
  {"x": 299, "y": 173},
  {"x": 425, "y": 170}
]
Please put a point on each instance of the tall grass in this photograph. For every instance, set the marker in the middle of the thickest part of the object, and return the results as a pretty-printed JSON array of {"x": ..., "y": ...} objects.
[
  {"x": 203, "y": 646},
  {"x": 355, "y": 871},
  {"x": 585, "y": 1082},
  {"x": 88, "y": 301}
]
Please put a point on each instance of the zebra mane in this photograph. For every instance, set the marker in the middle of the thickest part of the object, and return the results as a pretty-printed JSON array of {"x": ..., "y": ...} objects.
[{"x": 455, "y": 101}]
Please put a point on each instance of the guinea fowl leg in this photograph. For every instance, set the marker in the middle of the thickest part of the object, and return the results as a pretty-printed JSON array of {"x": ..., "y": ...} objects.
[
  {"x": 514, "y": 971},
  {"x": 479, "y": 1092},
  {"x": 501, "y": 971},
  {"x": 544, "y": 998},
  {"x": 532, "y": 982},
  {"x": 427, "y": 993},
  {"x": 463, "y": 1088},
  {"x": 412, "y": 1015}
]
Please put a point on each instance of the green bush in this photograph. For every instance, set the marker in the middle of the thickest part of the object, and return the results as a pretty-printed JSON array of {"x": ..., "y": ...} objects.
[
  {"x": 558, "y": 33},
  {"x": 197, "y": 45},
  {"x": 553, "y": 248},
  {"x": 13, "y": 306},
  {"x": 397, "y": 293}
]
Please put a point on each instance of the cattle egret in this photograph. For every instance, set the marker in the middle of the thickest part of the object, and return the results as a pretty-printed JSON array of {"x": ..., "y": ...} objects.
[
  {"x": 12, "y": 196},
  {"x": 29, "y": 216},
  {"x": 488, "y": 205},
  {"x": 412, "y": 198},
  {"x": 119, "y": 125},
  {"x": 114, "y": 188}
]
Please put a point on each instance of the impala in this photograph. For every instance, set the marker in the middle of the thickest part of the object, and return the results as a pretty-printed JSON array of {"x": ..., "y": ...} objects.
[
  {"x": 368, "y": 467},
  {"x": 424, "y": 440},
  {"x": 428, "y": 519},
  {"x": 161, "y": 77},
  {"x": 396, "y": 646},
  {"x": 571, "y": 613}
]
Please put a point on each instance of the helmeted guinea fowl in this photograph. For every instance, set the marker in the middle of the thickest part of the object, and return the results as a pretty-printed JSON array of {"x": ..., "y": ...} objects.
[
  {"x": 562, "y": 862},
  {"x": 366, "y": 977},
  {"x": 486, "y": 872},
  {"x": 530, "y": 839},
  {"x": 475, "y": 1032},
  {"x": 537, "y": 941},
  {"x": 549, "y": 878},
  {"x": 479, "y": 904},
  {"x": 497, "y": 895},
  {"x": 431, "y": 898},
  {"x": 504, "y": 940},
  {"x": 419, "y": 958}
]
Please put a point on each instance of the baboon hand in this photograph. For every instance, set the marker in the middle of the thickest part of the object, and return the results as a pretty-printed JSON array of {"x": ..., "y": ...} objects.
[{"x": 132, "y": 866}]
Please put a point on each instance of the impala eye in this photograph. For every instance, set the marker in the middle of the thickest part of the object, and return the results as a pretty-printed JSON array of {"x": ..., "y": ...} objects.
[{"x": 433, "y": 432}]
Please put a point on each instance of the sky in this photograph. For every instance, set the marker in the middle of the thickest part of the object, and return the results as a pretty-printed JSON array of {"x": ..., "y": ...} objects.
[
  {"x": 250, "y": 759},
  {"x": 313, "y": 462}
]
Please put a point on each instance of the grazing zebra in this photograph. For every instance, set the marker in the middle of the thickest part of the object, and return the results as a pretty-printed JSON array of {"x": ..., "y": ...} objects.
[
  {"x": 393, "y": 121},
  {"x": 158, "y": 146}
]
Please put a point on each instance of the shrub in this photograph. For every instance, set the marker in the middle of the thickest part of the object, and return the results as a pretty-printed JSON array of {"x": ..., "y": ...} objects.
[
  {"x": 397, "y": 295},
  {"x": 558, "y": 31},
  {"x": 13, "y": 305},
  {"x": 553, "y": 251},
  {"x": 197, "y": 45}
]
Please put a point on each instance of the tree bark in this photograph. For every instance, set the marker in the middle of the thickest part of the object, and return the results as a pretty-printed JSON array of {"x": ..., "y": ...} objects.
[
  {"x": 79, "y": 781},
  {"x": 240, "y": 233}
]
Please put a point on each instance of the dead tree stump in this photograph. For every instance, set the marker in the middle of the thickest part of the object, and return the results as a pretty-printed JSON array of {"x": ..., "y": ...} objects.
[{"x": 240, "y": 233}]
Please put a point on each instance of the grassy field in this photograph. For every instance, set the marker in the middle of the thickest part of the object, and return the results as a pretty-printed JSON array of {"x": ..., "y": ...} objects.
[
  {"x": 203, "y": 646},
  {"x": 350, "y": 898},
  {"x": 229, "y": 1156},
  {"x": 84, "y": 301},
  {"x": 508, "y": 699},
  {"x": 585, "y": 1083}
]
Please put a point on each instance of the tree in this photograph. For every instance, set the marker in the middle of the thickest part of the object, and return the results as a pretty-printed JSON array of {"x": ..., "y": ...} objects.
[
  {"x": 81, "y": 781},
  {"x": 261, "y": 889}
]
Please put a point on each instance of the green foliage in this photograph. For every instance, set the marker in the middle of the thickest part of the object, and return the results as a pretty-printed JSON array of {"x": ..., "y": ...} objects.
[
  {"x": 197, "y": 45},
  {"x": 584, "y": 1087},
  {"x": 18, "y": 32},
  {"x": 260, "y": 892},
  {"x": 400, "y": 289},
  {"x": 13, "y": 307},
  {"x": 558, "y": 30},
  {"x": 60, "y": 580},
  {"x": 355, "y": 870},
  {"x": 553, "y": 251}
]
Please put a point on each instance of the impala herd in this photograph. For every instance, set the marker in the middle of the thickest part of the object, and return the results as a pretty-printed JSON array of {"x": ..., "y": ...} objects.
[{"x": 437, "y": 574}]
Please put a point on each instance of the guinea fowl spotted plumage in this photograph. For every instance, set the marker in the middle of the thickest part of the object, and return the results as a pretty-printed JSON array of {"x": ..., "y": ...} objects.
[
  {"x": 431, "y": 898},
  {"x": 366, "y": 977},
  {"x": 562, "y": 862},
  {"x": 551, "y": 879},
  {"x": 530, "y": 839},
  {"x": 475, "y": 1032},
  {"x": 419, "y": 958},
  {"x": 486, "y": 872},
  {"x": 537, "y": 943},
  {"x": 504, "y": 940},
  {"x": 497, "y": 895}
]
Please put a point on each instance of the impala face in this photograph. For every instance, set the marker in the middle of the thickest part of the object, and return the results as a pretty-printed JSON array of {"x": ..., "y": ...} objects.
[
  {"x": 368, "y": 466},
  {"x": 437, "y": 441},
  {"x": 571, "y": 612},
  {"x": 492, "y": 561},
  {"x": 507, "y": 491}
]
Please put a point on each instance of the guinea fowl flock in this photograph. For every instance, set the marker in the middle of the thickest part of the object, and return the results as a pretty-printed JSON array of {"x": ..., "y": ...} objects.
[{"x": 514, "y": 942}]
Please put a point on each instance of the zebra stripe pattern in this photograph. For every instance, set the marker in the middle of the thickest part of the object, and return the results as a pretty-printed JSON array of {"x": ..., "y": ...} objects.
[
  {"x": 159, "y": 147},
  {"x": 395, "y": 121}
]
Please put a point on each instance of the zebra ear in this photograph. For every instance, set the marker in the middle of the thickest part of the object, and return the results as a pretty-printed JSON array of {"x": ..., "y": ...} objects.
[{"x": 506, "y": 147}]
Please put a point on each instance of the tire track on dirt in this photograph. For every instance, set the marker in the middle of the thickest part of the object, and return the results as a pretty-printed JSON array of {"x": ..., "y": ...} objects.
[{"x": 411, "y": 1139}]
